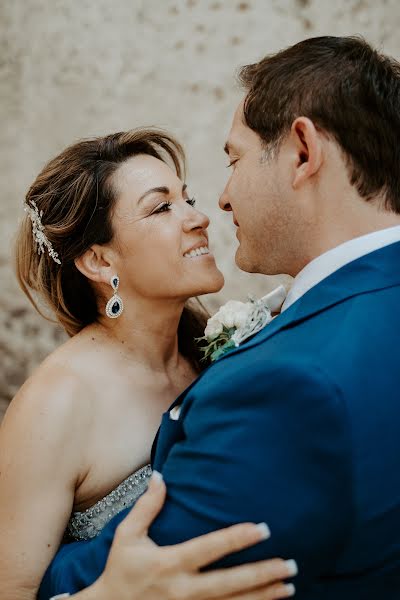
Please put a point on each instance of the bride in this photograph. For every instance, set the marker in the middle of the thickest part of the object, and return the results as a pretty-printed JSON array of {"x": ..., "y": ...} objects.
[{"x": 113, "y": 244}]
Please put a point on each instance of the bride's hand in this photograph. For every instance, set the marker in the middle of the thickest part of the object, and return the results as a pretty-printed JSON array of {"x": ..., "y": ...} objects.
[{"x": 138, "y": 568}]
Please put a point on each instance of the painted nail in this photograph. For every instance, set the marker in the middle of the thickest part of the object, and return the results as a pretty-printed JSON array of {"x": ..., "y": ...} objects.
[
  {"x": 156, "y": 476},
  {"x": 292, "y": 568},
  {"x": 264, "y": 530},
  {"x": 290, "y": 589}
]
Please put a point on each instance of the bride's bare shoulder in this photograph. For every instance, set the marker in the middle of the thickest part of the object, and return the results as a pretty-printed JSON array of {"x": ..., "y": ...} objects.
[{"x": 57, "y": 392}]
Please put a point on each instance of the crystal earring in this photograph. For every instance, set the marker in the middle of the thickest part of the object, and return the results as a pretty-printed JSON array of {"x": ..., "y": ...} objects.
[{"x": 115, "y": 306}]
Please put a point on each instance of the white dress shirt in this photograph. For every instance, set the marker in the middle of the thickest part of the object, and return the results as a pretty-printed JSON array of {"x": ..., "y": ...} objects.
[{"x": 329, "y": 262}]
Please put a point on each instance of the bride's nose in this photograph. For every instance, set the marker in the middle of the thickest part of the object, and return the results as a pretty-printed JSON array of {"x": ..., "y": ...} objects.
[{"x": 194, "y": 219}]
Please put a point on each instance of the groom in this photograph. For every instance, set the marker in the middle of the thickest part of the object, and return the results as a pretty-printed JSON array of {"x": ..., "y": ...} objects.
[{"x": 300, "y": 426}]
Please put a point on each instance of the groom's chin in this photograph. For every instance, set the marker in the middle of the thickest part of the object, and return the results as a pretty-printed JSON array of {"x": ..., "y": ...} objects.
[
  {"x": 250, "y": 265},
  {"x": 243, "y": 261}
]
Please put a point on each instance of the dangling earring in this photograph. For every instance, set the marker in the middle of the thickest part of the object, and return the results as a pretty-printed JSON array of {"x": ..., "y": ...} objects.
[{"x": 115, "y": 306}]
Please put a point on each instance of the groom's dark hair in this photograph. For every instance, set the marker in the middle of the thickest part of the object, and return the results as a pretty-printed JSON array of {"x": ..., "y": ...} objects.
[{"x": 347, "y": 89}]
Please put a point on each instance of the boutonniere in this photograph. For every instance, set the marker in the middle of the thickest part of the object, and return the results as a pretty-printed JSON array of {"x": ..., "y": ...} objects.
[{"x": 236, "y": 321}]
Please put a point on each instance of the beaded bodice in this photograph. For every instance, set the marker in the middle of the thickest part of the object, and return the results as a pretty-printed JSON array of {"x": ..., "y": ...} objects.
[{"x": 89, "y": 523}]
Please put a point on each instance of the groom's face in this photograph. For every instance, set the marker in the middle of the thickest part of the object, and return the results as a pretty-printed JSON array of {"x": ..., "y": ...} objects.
[{"x": 254, "y": 194}]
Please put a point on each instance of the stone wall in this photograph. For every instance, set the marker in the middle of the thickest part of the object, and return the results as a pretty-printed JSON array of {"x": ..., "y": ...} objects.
[{"x": 75, "y": 68}]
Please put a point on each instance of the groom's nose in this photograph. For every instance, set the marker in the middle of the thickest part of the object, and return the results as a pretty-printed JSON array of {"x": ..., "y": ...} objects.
[{"x": 224, "y": 203}]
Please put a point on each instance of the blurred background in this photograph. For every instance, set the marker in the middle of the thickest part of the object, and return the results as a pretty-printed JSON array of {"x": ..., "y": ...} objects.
[{"x": 76, "y": 68}]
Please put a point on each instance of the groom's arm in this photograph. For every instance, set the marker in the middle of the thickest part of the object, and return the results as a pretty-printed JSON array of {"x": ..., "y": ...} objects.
[
  {"x": 263, "y": 442},
  {"x": 137, "y": 568},
  {"x": 270, "y": 444}
]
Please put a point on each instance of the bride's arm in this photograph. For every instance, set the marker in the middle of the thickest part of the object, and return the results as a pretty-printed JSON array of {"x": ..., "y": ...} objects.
[{"x": 40, "y": 454}]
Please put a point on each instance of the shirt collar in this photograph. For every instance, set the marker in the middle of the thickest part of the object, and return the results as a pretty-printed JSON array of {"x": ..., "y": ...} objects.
[{"x": 332, "y": 260}]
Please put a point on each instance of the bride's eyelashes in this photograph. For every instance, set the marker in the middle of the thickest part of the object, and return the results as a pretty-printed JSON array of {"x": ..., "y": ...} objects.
[{"x": 166, "y": 206}]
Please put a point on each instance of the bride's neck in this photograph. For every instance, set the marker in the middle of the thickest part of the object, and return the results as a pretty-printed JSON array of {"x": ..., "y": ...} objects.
[{"x": 147, "y": 331}]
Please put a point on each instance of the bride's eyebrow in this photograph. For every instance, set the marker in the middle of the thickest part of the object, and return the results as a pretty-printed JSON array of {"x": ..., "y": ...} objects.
[{"x": 159, "y": 190}]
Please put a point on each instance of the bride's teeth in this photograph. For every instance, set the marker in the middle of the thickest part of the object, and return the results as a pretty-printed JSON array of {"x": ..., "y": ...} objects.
[{"x": 197, "y": 252}]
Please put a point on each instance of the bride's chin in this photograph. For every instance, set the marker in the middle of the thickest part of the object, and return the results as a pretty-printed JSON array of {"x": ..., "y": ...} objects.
[
  {"x": 215, "y": 284},
  {"x": 221, "y": 283}
]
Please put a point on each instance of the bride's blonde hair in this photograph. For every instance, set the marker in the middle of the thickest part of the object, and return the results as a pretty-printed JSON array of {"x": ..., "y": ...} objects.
[{"x": 75, "y": 197}]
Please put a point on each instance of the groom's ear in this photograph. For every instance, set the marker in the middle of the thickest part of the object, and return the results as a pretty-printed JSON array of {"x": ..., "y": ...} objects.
[
  {"x": 95, "y": 264},
  {"x": 308, "y": 147}
]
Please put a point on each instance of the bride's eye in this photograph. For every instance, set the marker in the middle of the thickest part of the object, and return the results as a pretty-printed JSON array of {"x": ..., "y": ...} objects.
[
  {"x": 191, "y": 201},
  {"x": 165, "y": 207}
]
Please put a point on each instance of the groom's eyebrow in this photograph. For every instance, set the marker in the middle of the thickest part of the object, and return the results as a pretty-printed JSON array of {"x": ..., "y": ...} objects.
[{"x": 159, "y": 190}]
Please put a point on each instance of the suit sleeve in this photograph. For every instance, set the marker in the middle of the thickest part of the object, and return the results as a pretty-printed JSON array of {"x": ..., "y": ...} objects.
[
  {"x": 270, "y": 445},
  {"x": 79, "y": 564}
]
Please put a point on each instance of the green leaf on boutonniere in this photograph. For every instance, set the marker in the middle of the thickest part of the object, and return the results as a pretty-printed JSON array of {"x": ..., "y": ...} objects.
[
  {"x": 222, "y": 350},
  {"x": 221, "y": 344}
]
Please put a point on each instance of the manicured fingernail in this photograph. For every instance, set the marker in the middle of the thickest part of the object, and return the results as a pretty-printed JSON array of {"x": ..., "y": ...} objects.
[
  {"x": 290, "y": 589},
  {"x": 156, "y": 476},
  {"x": 292, "y": 568},
  {"x": 264, "y": 530}
]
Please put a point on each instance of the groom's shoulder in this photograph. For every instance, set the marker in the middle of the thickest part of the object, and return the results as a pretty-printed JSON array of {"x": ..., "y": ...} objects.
[
  {"x": 251, "y": 378},
  {"x": 263, "y": 393}
]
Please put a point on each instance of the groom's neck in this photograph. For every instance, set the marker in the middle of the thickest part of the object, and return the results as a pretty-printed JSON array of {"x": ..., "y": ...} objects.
[{"x": 343, "y": 220}]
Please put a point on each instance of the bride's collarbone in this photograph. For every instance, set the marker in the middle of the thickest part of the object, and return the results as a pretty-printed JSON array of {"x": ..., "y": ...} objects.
[{"x": 100, "y": 361}]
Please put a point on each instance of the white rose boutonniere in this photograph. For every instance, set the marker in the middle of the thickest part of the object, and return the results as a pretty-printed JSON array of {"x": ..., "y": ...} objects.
[{"x": 236, "y": 321}]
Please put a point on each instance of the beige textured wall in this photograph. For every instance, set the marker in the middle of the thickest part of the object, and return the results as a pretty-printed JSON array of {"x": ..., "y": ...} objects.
[{"x": 76, "y": 68}]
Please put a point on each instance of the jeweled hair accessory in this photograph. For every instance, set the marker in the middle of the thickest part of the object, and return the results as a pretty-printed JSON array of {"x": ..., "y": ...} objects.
[{"x": 38, "y": 231}]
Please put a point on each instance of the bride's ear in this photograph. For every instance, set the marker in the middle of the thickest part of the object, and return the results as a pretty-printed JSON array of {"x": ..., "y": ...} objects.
[{"x": 95, "y": 265}]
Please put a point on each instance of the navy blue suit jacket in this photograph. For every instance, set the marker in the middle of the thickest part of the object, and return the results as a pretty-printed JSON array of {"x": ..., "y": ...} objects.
[{"x": 300, "y": 428}]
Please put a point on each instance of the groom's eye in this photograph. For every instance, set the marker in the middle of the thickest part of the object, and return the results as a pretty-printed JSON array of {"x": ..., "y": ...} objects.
[{"x": 191, "y": 201}]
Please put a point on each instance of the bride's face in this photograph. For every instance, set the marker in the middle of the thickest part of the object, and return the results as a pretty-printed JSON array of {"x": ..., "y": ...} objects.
[{"x": 160, "y": 238}]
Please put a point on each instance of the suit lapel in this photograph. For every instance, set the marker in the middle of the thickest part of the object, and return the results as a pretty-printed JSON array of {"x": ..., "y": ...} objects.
[{"x": 169, "y": 424}]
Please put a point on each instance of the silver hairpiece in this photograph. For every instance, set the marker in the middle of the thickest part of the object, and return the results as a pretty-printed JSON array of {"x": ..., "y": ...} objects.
[{"x": 38, "y": 231}]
